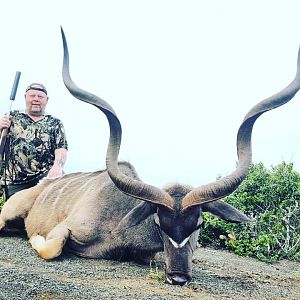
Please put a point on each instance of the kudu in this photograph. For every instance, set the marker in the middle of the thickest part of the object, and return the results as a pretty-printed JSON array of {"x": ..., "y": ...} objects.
[{"x": 112, "y": 214}]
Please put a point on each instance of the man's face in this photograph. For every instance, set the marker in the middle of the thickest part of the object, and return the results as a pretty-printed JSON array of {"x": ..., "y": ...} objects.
[{"x": 36, "y": 102}]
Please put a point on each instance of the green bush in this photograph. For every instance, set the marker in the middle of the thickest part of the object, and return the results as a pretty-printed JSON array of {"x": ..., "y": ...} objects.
[
  {"x": 1, "y": 202},
  {"x": 1, "y": 196},
  {"x": 272, "y": 199}
]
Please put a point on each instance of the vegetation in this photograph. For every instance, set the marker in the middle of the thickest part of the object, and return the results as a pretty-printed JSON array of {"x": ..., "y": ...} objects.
[
  {"x": 272, "y": 199},
  {"x": 1, "y": 201},
  {"x": 155, "y": 272}
]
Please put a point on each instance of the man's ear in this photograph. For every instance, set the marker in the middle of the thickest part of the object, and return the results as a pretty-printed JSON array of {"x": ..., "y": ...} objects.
[
  {"x": 136, "y": 215},
  {"x": 225, "y": 211}
]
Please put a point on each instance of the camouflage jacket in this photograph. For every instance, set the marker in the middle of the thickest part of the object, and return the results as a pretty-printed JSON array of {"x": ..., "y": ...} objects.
[{"x": 31, "y": 145}]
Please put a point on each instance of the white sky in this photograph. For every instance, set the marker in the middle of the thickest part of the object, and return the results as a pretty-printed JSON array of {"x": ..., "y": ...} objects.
[{"x": 181, "y": 75}]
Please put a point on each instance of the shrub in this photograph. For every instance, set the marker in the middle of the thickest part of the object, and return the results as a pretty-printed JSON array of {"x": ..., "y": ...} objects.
[
  {"x": 272, "y": 199},
  {"x": 1, "y": 202}
]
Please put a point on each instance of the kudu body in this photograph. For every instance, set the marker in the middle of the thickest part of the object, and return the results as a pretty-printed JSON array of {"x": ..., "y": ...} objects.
[{"x": 112, "y": 214}]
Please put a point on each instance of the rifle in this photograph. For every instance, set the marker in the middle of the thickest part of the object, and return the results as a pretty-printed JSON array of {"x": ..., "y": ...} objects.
[{"x": 4, "y": 132}]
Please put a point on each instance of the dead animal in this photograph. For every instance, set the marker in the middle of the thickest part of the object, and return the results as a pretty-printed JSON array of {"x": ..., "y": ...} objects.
[{"x": 113, "y": 214}]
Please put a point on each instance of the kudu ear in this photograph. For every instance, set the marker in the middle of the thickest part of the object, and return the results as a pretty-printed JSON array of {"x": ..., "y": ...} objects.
[
  {"x": 225, "y": 211},
  {"x": 136, "y": 215}
]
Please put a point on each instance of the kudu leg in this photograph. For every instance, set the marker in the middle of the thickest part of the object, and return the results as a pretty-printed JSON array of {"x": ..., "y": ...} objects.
[
  {"x": 51, "y": 246},
  {"x": 18, "y": 206}
]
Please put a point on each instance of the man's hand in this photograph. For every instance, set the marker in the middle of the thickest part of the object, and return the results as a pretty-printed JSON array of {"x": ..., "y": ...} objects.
[
  {"x": 5, "y": 122},
  {"x": 59, "y": 162},
  {"x": 55, "y": 171}
]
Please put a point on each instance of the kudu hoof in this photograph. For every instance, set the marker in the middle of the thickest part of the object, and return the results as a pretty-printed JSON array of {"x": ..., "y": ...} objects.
[{"x": 47, "y": 249}]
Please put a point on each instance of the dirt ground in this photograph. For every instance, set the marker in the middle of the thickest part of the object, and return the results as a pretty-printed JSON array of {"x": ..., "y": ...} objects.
[{"x": 217, "y": 275}]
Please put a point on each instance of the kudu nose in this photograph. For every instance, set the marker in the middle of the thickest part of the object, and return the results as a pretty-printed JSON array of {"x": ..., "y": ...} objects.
[{"x": 178, "y": 279}]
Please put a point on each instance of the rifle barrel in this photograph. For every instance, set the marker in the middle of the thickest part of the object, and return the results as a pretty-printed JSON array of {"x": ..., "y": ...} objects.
[
  {"x": 4, "y": 132},
  {"x": 15, "y": 86}
]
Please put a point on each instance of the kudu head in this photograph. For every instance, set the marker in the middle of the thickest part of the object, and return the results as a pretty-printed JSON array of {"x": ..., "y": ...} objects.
[{"x": 177, "y": 209}]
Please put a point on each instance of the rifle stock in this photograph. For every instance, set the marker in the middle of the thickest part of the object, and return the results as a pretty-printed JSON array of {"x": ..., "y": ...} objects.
[{"x": 3, "y": 140}]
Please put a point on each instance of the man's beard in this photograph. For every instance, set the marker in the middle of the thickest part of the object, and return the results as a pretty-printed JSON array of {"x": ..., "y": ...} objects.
[{"x": 36, "y": 112}]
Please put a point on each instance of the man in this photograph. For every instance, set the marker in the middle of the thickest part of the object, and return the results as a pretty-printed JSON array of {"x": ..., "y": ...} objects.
[{"x": 36, "y": 145}]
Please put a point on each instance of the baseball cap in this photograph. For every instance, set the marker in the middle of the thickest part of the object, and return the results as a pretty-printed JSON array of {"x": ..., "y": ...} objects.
[{"x": 37, "y": 87}]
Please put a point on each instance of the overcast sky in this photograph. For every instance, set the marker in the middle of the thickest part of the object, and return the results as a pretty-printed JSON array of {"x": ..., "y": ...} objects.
[{"x": 181, "y": 75}]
